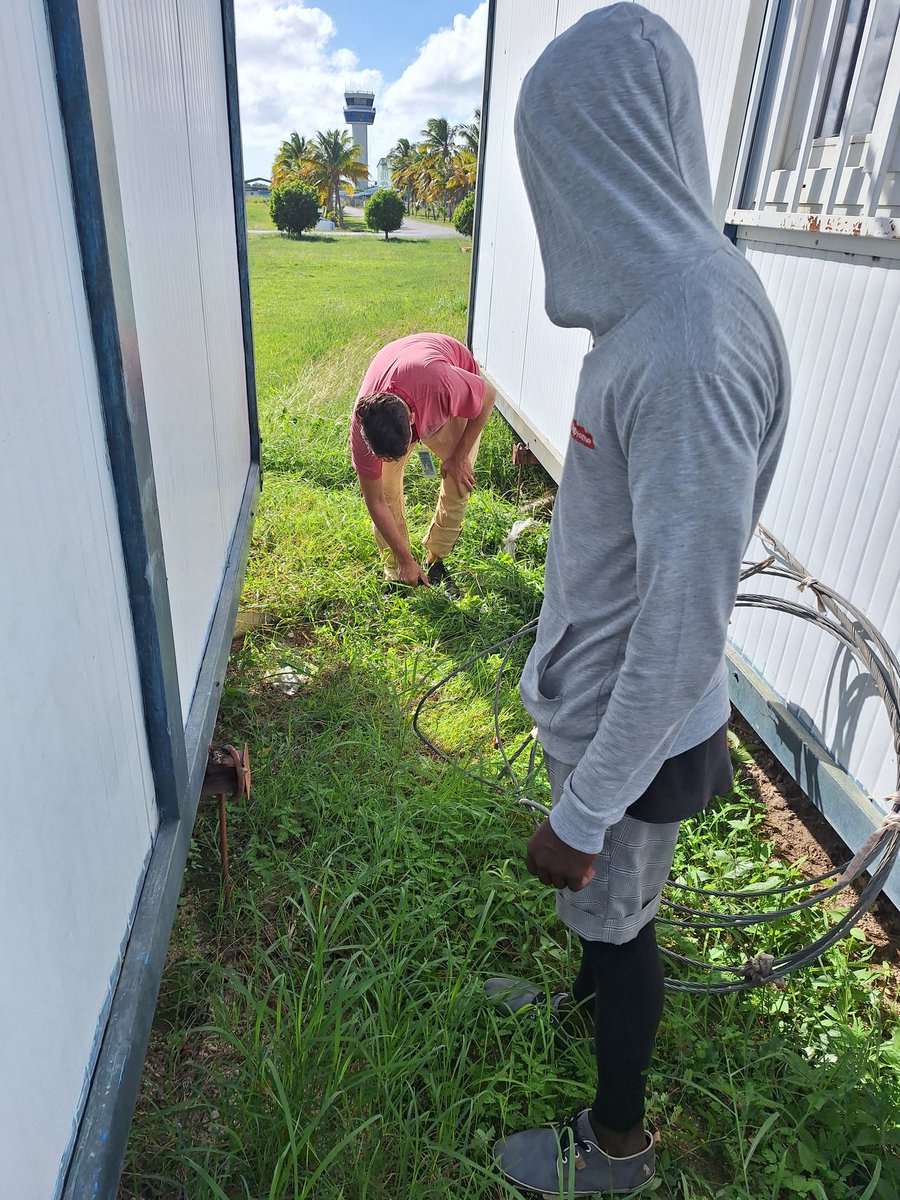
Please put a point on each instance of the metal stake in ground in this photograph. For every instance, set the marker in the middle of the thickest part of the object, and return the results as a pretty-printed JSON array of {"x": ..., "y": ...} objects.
[{"x": 227, "y": 774}]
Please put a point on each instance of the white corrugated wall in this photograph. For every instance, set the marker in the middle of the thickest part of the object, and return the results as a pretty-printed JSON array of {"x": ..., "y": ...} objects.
[
  {"x": 77, "y": 798},
  {"x": 165, "y": 67},
  {"x": 835, "y": 500}
]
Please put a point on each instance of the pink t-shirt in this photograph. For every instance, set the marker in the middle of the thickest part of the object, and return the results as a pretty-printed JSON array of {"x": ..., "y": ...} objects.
[{"x": 436, "y": 376}]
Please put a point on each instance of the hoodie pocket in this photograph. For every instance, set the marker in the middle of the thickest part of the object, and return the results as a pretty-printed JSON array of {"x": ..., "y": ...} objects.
[
  {"x": 569, "y": 676},
  {"x": 537, "y": 682}
]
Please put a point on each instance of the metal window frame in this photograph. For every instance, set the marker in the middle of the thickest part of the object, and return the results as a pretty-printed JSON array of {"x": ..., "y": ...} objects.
[
  {"x": 177, "y": 748},
  {"x": 787, "y": 71}
]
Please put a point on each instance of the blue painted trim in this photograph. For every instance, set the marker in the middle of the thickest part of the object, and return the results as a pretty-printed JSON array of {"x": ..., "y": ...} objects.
[
  {"x": 100, "y": 1030},
  {"x": 103, "y": 1136},
  {"x": 479, "y": 179},
  {"x": 125, "y": 420},
  {"x": 848, "y": 810},
  {"x": 240, "y": 221},
  {"x": 103, "y": 1128}
]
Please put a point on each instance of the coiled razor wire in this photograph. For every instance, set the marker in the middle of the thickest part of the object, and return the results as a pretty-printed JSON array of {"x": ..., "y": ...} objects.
[{"x": 845, "y": 622}]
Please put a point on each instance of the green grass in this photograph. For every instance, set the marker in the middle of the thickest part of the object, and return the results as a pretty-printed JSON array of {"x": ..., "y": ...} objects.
[
  {"x": 257, "y": 208},
  {"x": 258, "y": 217},
  {"x": 326, "y": 1036}
]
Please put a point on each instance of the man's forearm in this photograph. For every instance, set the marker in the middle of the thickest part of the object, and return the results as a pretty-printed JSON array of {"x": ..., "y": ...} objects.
[{"x": 386, "y": 525}]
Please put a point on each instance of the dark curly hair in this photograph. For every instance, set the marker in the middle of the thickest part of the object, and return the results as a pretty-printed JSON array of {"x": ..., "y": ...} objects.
[{"x": 384, "y": 421}]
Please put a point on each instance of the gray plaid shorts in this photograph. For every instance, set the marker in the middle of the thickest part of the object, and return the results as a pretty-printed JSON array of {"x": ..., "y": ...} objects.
[{"x": 630, "y": 873}]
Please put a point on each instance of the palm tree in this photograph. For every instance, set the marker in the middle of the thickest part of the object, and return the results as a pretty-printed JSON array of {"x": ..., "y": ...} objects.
[
  {"x": 463, "y": 168},
  {"x": 438, "y": 147},
  {"x": 471, "y": 134},
  {"x": 292, "y": 160},
  {"x": 335, "y": 167},
  {"x": 402, "y": 161}
]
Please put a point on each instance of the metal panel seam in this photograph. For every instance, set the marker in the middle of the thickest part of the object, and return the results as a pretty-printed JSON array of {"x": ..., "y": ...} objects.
[
  {"x": 124, "y": 416},
  {"x": 479, "y": 176},
  {"x": 240, "y": 221}
]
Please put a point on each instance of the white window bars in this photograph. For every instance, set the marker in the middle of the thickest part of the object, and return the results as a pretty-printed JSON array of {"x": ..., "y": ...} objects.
[{"x": 822, "y": 153}]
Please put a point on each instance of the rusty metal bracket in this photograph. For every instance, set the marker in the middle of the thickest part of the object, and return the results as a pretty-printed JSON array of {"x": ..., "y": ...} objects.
[
  {"x": 524, "y": 456},
  {"x": 227, "y": 774}
]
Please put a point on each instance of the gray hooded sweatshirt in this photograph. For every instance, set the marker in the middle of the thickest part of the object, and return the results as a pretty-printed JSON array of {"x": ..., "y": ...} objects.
[{"x": 679, "y": 414}]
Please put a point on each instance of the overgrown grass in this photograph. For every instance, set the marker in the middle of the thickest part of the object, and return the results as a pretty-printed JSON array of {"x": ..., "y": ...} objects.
[{"x": 326, "y": 1036}]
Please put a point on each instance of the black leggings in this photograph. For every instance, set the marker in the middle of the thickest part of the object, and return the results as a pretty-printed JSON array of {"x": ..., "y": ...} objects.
[{"x": 627, "y": 985}]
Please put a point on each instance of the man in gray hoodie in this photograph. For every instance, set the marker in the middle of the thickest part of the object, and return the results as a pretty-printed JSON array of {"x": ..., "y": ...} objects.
[{"x": 679, "y": 418}]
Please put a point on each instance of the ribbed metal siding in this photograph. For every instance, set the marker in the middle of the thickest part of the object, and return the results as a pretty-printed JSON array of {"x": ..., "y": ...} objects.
[
  {"x": 715, "y": 34},
  {"x": 535, "y": 364},
  {"x": 508, "y": 236},
  {"x": 166, "y": 80},
  {"x": 78, "y": 799},
  {"x": 207, "y": 119},
  {"x": 835, "y": 501}
]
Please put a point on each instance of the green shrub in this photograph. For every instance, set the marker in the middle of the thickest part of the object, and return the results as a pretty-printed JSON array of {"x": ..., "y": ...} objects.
[
  {"x": 464, "y": 215},
  {"x": 294, "y": 207},
  {"x": 384, "y": 211}
]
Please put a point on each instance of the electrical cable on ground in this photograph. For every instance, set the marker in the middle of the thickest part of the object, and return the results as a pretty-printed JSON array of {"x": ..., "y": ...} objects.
[{"x": 845, "y": 622}]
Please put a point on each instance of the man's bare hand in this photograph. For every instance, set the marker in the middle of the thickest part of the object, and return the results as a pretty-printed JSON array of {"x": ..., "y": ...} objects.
[
  {"x": 411, "y": 573},
  {"x": 460, "y": 471},
  {"x": 557, "y": 864}
]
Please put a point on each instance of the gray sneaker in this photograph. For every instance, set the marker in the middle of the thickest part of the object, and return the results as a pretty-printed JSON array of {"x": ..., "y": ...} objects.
[
  {"x": 566, "y": 1161},
  {"x": 518, "y": 998}
]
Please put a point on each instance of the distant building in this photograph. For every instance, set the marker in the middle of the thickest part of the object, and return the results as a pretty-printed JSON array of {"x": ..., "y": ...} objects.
[
  {"x": 361, "y": 195},
  {"x": 384, "y": 173},
  {"x": 359, "y": 113},
  {"x": 257, "y": 187}
]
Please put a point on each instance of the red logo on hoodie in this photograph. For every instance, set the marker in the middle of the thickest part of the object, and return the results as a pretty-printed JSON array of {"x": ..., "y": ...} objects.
[{"x": 580, "y": 434}]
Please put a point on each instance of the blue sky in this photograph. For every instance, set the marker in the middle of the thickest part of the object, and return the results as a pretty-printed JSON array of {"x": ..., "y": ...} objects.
[
  {"x": 388, "y": 33},
  {"x": 422, "y": 58}
]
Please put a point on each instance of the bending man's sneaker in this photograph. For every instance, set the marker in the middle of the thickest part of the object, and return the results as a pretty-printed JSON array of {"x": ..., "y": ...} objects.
[
  {"x": 436, "y": 573},
  {"x": 566, "y": 1161}
]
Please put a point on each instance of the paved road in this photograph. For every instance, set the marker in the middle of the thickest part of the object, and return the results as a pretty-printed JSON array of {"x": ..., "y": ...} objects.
[{"x": 411, "y": 228}]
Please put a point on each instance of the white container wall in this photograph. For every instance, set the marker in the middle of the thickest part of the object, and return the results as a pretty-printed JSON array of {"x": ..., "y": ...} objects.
[
  {"x": 836, "y": 501},
  {"x": 165, "y": 69},
  {"x": 78, "y": 807}
]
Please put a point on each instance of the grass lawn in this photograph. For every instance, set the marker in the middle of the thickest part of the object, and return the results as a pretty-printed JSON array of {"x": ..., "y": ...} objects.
[
  {"x": 326, "y": 1036},
  {"x": 257, "y": 208}
]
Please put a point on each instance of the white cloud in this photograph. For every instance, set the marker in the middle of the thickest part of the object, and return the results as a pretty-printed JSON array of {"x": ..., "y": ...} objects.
[
  {"x": 443, "y": 81},
  {"x": 291, "y": 77},
  {"x": 288, "y": 77}
]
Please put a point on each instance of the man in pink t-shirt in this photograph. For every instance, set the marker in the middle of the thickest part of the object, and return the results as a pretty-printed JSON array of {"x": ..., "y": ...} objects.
[{"x": 423, "y": 388}]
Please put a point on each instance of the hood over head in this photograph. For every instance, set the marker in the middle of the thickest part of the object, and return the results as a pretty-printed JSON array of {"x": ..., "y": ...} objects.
[{"x": 610, "y": 142}]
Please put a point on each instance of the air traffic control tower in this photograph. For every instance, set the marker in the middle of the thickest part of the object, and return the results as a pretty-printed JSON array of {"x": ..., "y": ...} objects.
[{"x": 359, "y": 113}]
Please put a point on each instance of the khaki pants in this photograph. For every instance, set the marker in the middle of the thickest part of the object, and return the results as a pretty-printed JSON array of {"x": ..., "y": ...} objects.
[{"x": 448, "y": 515}]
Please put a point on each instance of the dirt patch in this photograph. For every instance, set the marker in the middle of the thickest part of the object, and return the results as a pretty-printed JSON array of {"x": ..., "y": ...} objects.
[{"x": 799, "y": 831}]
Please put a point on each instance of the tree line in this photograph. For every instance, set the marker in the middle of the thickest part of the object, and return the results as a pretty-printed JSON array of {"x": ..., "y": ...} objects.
[{"x": 433, "y": 175}]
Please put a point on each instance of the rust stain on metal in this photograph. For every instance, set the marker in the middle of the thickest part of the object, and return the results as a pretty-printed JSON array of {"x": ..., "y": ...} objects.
[
  {"x": 227, "y": 774},
  {"x": 814, "y": 224}
]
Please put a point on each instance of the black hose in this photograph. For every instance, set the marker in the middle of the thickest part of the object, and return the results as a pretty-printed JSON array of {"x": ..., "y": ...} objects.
[{"x": 851, "y": 628}]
